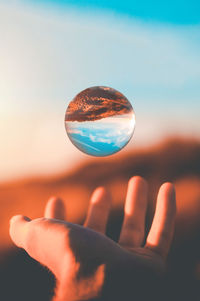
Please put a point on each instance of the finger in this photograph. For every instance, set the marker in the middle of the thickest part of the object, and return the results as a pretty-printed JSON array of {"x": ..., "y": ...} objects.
[
  {"x": 18, "y": 229},
  {"x": 99, "y": 209},
  {"x": 132, "y": 234},
  {"x": 161, "y": 232},
  {"x": 45, "y": 240},
  {"x": 55, "y": 208}
]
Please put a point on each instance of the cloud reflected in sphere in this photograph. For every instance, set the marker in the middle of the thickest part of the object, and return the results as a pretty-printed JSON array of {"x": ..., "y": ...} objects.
[{"x": 100, "y": 121}]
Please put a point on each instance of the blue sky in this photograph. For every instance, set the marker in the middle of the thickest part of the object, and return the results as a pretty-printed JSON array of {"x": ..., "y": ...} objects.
[
  {"x": 170, "y": 11},
  {"x": 51, "y": 52},
  {"x": 102, "y": 137}
]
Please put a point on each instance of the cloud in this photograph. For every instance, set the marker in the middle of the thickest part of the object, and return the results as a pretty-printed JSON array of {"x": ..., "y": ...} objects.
[
  {"x": 94, "y": 138},
  {"x": 74, "y": 131},
  {"x": 117, "y": 132},
  {"x": 96, "y": 103}
]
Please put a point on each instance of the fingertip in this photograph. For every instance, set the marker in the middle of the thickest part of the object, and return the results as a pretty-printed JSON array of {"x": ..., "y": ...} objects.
[
  {"x": 19, "y": 218},
  {"x": 55, "y": 208},
  {"x": 100, "y": 194},
  {"x": 16, "y": 231},
  {"x": 99, "y": 209},
  {"x": 137, "y": 186},
  {"x": 55, "y": 201},
  {"x": 100, "y": 189},
  {"x": 138, "y": 180},
  {"x": 168, "y": 192},
  {"x": 168, "y": 186}
]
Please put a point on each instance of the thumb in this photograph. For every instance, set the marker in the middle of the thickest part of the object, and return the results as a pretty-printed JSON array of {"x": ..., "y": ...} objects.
[{"x": 18, "y": 230}]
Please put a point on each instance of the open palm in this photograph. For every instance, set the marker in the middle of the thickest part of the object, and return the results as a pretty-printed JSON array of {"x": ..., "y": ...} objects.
[{"x": 87, "y": 264}]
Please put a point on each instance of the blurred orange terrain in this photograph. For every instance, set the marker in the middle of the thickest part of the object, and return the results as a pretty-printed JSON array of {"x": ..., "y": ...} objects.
[{"x": 174, "y": 160}]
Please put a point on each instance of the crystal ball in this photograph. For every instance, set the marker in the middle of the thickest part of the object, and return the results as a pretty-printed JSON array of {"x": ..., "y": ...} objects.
[{"x": 100, "y": 121}]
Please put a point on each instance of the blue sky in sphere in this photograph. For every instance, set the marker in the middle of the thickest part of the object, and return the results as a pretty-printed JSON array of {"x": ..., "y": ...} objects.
[
  {"x": 98, "y": 149},
  {"x": 101, "y": 137}
]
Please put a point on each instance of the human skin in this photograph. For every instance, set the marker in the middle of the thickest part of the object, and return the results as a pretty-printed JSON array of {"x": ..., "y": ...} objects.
[{"x": 90, "y": 266}]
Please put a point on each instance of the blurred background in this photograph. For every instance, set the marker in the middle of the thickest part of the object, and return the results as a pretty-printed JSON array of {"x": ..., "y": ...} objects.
[{"x": 51, "y": 50}]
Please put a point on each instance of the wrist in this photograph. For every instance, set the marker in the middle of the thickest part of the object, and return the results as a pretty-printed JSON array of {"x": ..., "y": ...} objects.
[{"x": 81, "y": 288}]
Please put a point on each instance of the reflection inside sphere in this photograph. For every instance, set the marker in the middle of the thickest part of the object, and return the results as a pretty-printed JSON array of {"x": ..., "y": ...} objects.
[{"x": 100, "y": 121}]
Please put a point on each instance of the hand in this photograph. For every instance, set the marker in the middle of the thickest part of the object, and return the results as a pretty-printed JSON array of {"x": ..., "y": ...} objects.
[{"x": 87, "y": 264}]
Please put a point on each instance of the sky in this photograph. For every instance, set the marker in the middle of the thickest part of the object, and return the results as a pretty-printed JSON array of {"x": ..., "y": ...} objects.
[
  {"x": 51, "y": 50},
  {"x": 171, "y": 11},
  {"x": 102, "y": 137}
]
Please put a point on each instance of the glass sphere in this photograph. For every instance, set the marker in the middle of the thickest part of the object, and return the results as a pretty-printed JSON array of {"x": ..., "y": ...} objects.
[{"x": 100, "y": 121}]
